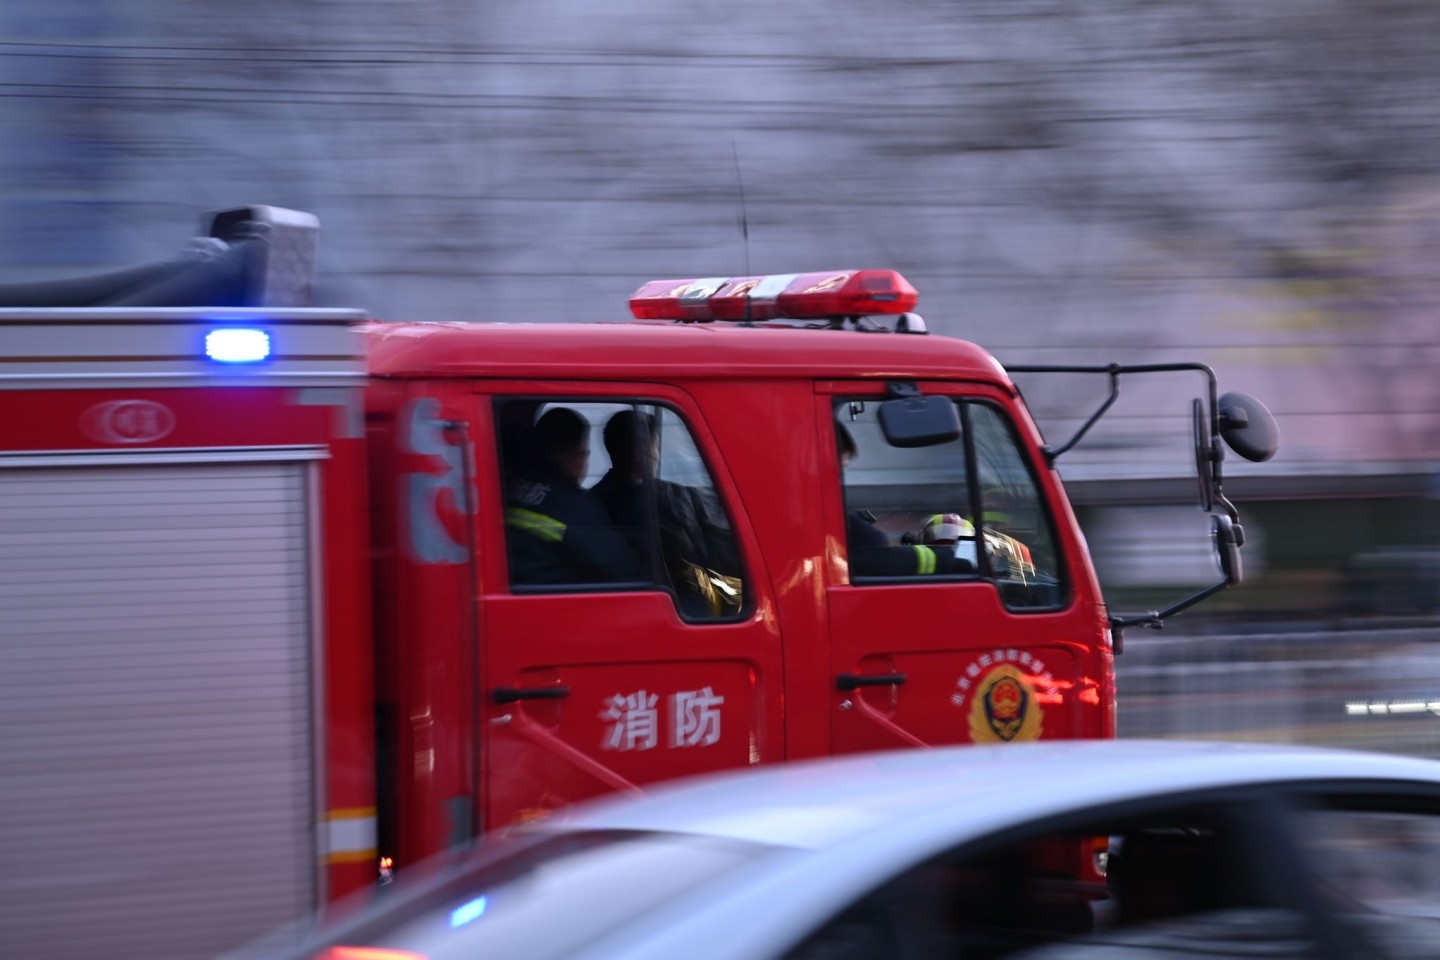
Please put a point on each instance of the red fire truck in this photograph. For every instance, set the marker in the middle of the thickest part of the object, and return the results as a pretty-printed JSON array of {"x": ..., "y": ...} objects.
[{"x": 264, "y": 622}]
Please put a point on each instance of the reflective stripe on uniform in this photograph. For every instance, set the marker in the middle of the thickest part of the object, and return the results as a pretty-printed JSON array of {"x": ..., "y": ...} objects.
[
  {"x": 546, "y": 528},
  {"x": 924, "y": 560}
]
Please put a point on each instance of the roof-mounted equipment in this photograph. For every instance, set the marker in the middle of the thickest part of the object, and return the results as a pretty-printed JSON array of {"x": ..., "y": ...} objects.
[
  {"x": 834, "y": 296},
  {"x": 254, "y": 256}
]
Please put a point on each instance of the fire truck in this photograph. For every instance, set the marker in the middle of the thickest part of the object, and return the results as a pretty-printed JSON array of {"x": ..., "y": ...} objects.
[{"x": 266, "y": 633}]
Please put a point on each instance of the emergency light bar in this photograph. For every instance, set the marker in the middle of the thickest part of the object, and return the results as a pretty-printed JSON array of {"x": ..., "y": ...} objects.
[{"x": 788, "y": 296}]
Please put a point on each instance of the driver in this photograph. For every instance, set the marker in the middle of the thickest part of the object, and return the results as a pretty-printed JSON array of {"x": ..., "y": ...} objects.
[{"x": 871, "y": 552}]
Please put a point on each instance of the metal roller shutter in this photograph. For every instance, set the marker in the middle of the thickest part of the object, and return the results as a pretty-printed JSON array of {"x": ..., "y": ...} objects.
[{"x": 156, "y": 753}]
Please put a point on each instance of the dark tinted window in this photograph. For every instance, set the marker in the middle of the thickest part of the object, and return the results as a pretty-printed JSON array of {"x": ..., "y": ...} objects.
[
  {"x": 1377, "y": 867},
  {"x": 615, "y": 495},
  {"x": 1173, "y": 883}
]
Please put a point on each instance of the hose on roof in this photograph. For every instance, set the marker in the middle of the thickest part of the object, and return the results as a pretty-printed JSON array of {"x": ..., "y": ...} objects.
[{"x": 215, "y": 275}]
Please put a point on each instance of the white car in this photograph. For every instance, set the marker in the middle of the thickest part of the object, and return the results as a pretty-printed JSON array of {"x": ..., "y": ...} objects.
[{"x": 1053, "y": 850}]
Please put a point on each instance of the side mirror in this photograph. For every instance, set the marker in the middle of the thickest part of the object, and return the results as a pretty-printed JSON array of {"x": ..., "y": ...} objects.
[
  {"x": 1205, "y": 453},
  {"x": 1247, "y": 427},
  {"x": 1244, "y": 424},
  {"x": 916, "y": 421},
  {"x": 1227, "y": 546}
]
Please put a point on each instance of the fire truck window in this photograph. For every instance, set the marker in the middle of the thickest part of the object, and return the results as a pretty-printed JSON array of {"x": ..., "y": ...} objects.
[
  {"x": 1019, "y": 536},
  {"x": 907, "y": 510},
  {"x": 928, "y": 512},
  {"x": 615, "y": 496},
  {"x": 698, "y": 551}
]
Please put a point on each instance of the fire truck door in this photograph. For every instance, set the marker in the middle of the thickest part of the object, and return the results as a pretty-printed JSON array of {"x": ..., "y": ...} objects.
[
  {"x": 956, "y": 622},
  {"x": 624, "y": 635}
]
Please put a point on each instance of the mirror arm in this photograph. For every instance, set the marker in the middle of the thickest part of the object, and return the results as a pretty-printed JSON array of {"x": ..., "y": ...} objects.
[
  {"x": 1155, "y": 619},
  {"x": 1113, "y": 371},
  {"x": 1051, "y": 455},
  {"x": 899, "y": 389},
  {"x": 1223, "y": 502}
]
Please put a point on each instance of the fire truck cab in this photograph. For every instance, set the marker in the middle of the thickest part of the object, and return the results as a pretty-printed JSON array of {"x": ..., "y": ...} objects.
[
  {"x": 291, "y": 595},
  {"x": 800, "y": 614}
]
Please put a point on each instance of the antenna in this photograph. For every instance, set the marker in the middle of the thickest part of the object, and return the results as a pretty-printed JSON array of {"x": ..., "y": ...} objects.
[
  {"x": 744, "y": 220},
  {"x": 744, "y": 217}
]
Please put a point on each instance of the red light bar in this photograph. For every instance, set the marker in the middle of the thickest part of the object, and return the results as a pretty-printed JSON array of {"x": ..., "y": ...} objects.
[{"x": 790, "y": 296}]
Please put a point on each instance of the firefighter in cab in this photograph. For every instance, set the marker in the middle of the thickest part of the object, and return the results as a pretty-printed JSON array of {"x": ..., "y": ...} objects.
[
  {"x": 871, "y": 552},
  {"x": 558, "y": 532}
]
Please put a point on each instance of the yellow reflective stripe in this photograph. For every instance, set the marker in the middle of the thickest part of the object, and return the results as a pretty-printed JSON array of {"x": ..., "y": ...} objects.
[
  {"x": 353, "y": 856},
  {"x": 925, "y": 559},
  {"x": 546, "y": 528}
]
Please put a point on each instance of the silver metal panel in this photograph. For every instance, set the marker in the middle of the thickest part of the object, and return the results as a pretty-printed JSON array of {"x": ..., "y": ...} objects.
[
  {"x": 152, "y": 456},
  {"x": 169, "y": 315},
  {"x": 185, "y": 339},
  {"x": 166, "y": 347},
  {"x": 155, "y": 707}
]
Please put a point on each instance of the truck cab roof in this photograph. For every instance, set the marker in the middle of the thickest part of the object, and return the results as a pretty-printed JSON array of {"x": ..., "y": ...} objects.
[{"x": 639, "y": 350}]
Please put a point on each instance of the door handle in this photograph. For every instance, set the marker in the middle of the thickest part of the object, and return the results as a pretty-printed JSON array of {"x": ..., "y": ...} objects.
[
  {"x": 511, "y": 694},
  {"x": 851, "y": 681}
]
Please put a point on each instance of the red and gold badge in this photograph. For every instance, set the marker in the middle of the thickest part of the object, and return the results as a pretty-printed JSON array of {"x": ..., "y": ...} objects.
[{"x": 1001, "y": 692}]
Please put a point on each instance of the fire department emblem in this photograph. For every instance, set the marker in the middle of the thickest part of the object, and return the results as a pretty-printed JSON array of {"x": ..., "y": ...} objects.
[
  {"x": 128, "y": 421},
  {"x": 1005, "y": 709},
  {"x": 1001, "y": 693}
]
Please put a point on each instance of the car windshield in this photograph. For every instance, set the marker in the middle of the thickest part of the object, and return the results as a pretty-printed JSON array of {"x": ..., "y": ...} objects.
[{"x": 553, "y": 897}]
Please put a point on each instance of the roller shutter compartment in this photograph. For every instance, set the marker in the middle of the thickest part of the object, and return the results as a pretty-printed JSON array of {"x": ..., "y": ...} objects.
[{"x": 156, "y": 750}]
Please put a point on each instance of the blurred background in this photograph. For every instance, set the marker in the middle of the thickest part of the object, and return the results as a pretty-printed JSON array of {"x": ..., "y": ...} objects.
[{"x": 1253, "y": 186}]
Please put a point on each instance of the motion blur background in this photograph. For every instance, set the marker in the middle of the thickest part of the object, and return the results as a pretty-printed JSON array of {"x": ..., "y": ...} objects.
[{"x": 1254, "y": 186}]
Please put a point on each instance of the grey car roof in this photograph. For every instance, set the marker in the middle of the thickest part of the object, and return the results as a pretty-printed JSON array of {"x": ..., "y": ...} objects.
[{"x": 824, "y": 802}]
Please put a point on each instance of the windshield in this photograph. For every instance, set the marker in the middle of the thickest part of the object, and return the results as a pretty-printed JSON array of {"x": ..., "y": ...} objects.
[{"x": 596, "y": 881}]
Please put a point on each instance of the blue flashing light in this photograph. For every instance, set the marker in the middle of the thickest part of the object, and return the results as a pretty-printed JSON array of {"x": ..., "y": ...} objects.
[
  {"x": 237, "y": 345},
  {"x": 468, "y": 912}
]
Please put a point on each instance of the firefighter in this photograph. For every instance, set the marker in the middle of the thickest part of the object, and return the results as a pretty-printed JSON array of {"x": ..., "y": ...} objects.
[
  {"x": 952, "y": 534},
  {"x": 557, "y": 532},
  {"x": 942, "y": 529},
  {"x": 871, "y": 552},
  {"x": 946, "y": 528},
  {"x": 698, "y": 552},
  {"x": 633, "y": 446}
]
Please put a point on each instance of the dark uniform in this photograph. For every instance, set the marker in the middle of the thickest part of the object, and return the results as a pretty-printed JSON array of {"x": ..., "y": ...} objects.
[
  {"x": 693, "y": 546},
  {"x": 558, "y": 534},
  {"x": 687, "y": 525},
  {"x": 622, "y": 500},
  {"x": 873, "y": 555}
]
